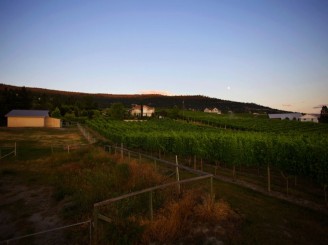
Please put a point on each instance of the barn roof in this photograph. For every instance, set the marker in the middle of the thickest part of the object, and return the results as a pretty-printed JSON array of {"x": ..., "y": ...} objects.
[
  {"x": 28, "y": 113},
  {"x": 284, "y": 115}
]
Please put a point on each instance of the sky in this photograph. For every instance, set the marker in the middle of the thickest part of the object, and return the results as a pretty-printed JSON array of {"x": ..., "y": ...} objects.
[{"x": 269, "y": 52}]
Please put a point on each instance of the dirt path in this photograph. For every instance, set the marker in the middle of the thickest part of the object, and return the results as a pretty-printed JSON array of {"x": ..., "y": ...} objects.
[{"x": 28, "y": 209}]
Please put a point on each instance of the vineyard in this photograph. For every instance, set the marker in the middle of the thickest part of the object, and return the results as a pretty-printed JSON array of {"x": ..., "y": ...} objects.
[
  {"x": 257, "y": 123},
  {"x": 297, "y": 154}
]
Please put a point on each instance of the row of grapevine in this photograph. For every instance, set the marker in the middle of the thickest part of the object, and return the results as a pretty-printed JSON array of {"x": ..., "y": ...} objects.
[
  {"x": 258, "y": 123},
  {"x": 295, "y": 155}
]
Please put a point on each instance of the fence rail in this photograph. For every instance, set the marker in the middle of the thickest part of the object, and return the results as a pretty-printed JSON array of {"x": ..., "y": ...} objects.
[
  {"x": 98, "y": 216},
  {"x": 13, "y": 152},
  {"x": 86, "y": 134},
  {"x": 123, "y": 150},
  {"x": 50, "y": 230}
]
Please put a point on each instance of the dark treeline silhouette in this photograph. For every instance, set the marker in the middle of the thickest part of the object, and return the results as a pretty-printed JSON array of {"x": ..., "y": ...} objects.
[{"x": 83, "y": 104}]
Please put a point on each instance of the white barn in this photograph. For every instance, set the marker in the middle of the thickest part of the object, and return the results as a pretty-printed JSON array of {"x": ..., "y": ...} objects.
[
  {"x": 309, "y": 118},
  {"x": 285, "y": 116}
]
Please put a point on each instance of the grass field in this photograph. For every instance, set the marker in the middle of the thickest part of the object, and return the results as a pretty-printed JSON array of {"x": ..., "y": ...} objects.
[{"x": 67, "y": 184}]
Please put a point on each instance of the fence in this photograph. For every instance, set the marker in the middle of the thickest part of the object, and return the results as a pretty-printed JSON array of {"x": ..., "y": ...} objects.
[
  {"x": 7, "y": 151},
  {"x": 114, "y": 210},
  {"x": 86, "y": 134},
  {"x": 34, "y": 235},
  {"x": 129, "y": 154},
  {"x": 149, "y": 191}
]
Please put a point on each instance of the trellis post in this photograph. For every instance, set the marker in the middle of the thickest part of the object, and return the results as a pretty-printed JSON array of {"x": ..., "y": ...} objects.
[
  {"x": 151, "y": 205},
  {"x": 122, "y": 150},
  {"x": 95, "y": 224},
  {"x": 177, "y": 173}
]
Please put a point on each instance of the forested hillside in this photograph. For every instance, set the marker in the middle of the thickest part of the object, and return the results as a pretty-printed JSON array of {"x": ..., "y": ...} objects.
[{"x": 83, "y": 104}]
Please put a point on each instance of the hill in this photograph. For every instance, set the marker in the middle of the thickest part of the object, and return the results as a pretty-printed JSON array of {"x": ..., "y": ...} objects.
[{"x": 13, "y": 97}]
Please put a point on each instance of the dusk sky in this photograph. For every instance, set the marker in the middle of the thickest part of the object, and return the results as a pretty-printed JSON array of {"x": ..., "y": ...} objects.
[{"x": 273, "y": 53}]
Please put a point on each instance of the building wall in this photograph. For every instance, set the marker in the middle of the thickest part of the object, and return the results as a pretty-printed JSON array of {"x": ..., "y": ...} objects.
[
  {"x": 309, "y": 119},
  {"x": 25, "y": 122},
  {"x": 52, "y": 122},
  {"x": 146, "y": 112}
]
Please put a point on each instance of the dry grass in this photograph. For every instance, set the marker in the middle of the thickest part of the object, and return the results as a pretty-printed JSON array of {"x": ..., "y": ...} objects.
[
  {"x": 194, "y": 218},
  {"x": 41, "y": 136}
]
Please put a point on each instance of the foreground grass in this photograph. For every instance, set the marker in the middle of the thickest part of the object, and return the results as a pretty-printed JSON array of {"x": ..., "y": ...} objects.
[
  {"x": 271, "y": 221},
  {"x": 85, "y": 176}
]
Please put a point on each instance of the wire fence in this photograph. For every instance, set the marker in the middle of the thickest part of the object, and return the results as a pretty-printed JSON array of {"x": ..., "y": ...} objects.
[
  {"x": 6, "y": 151},
  {"x": 86, "y": 133},
  {"x": 127, "y": 210},
  {"x": 45, "y": 237}
]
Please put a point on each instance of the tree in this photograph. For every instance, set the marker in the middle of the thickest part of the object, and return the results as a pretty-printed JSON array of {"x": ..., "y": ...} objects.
[
  {"x": 174, "y": 112},
  {"x": 117, "y": 111},
  {"x": 324, "y": 115},
  {"x": 56, "y": 113}
]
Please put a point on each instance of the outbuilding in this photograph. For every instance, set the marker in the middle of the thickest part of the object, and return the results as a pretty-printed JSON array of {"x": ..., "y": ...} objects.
[
  {"x": 309, "y": 118},
  {"x": 285, "y": 116},
  {"x": 31, "y": 118}
]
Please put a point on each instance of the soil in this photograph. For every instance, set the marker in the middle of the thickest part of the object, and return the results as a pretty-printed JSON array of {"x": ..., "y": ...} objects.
[{"x": 29, "y": 209}]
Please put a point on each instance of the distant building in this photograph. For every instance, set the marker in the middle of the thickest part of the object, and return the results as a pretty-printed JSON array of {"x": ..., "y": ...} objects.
[
  {"x": 214, "y": 110},
  {"x": 285, "y": 116},
  {"x": 31, "y": 118},
  {"x": 147, "y": 111},
  {"x": 309, "y": 118}
]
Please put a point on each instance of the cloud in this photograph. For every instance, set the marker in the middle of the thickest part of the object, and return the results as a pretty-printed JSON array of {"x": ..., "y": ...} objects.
[{"x": 162, "y": 92}]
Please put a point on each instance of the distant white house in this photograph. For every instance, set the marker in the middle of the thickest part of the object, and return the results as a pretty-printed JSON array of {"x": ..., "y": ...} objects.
[
  {"x": 285, "y": 116},
  {"x": 309, "y": 118},
  {"x": 214, "y": 110},
  {"x": 147, "y": 111}
]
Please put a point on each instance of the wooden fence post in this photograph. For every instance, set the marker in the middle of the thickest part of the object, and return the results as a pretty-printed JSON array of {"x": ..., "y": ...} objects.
[
  {"x": 95, "y": 224},
  {"x": 129, "y": 154},
  {"x": 155, "y": 162},
  {"x": 151, "y": 205},
  {"x": 90, "y": 232},
  {"x": 211, "y": 186},
  {"x": 177, "y": 173},
  {"x": 15, "y": 149},
  {"x": 269, "y": 178},
  {"x": 122, "y": 151}
]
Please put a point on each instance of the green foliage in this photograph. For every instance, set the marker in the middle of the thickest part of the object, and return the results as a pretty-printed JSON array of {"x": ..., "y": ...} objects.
[
  {"x": 56, "y": 113},
  {"x": 297, "y": 154},
  {"x": 117, "y": 111},
  {"x": 255, "y": 123},
  {"x": 174, "y": 113},
  {"x": 324, "y": 115}
]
